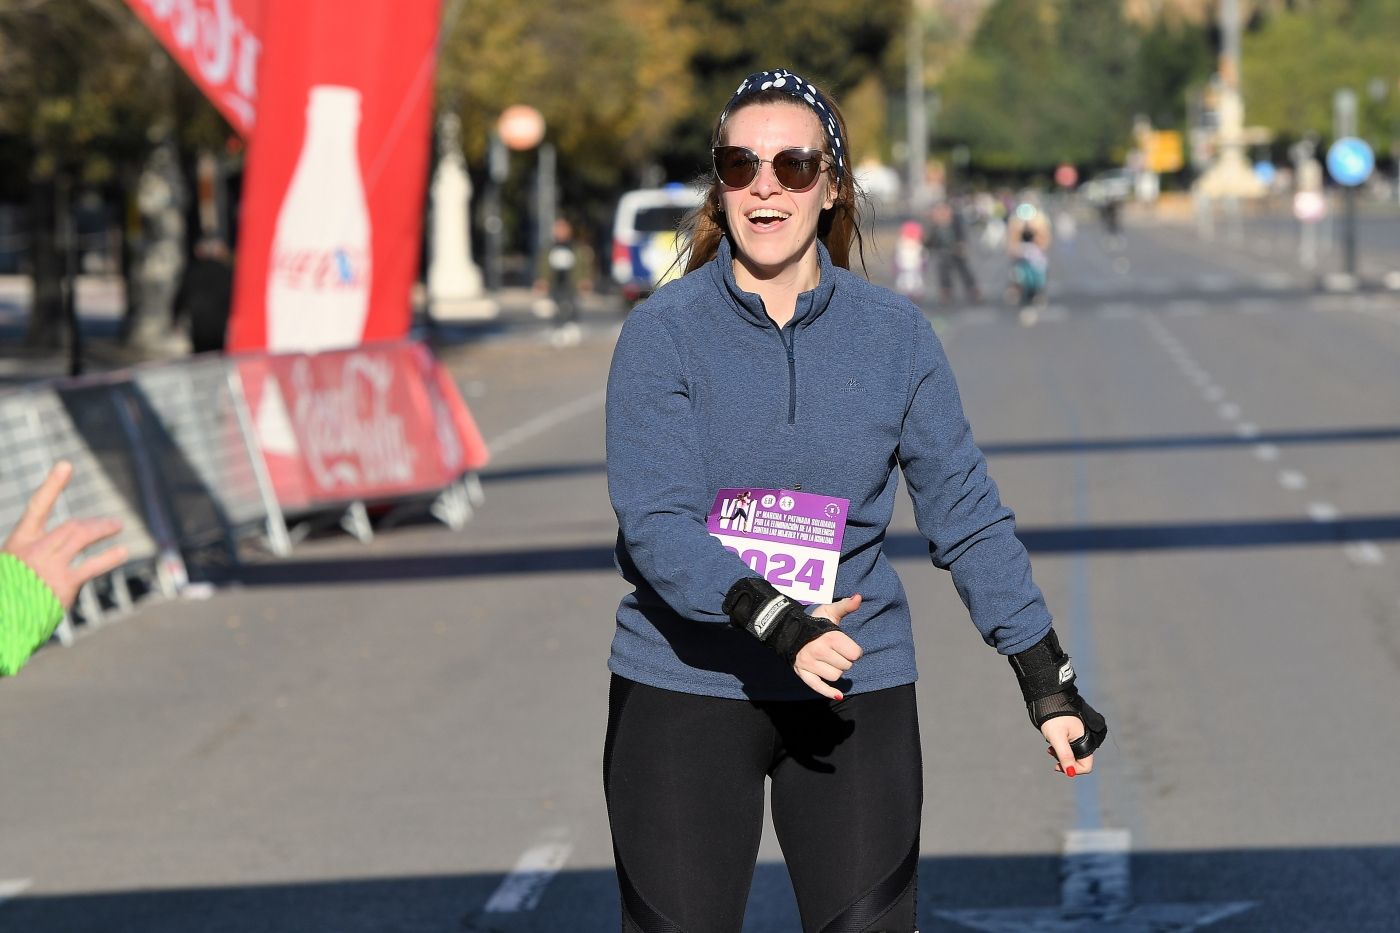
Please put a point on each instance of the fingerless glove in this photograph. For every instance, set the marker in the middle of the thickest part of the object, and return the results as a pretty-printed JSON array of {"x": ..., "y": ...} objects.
[
  {"x": 755, "y": 605},
  {"x": 1047, "y": 685}
]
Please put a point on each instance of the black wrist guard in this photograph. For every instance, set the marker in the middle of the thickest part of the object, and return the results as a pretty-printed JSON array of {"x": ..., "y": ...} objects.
[
  {"x": 1047, "y": 685},
  {"x": 755, "y": 605}
]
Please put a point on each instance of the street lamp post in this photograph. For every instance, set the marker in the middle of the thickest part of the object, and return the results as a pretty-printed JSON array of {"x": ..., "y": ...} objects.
[{"x": 914, "y": 102}]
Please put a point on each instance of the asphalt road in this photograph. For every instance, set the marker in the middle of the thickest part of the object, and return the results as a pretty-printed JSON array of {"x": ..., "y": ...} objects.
[{"x": 1202, "y": 451}]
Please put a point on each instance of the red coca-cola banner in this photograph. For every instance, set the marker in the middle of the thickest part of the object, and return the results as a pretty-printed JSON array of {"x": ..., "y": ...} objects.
[
  {"x": 333, "y": 189},
  {"x": 377, "y": 422},
  {"x": 217, "y": 43}
]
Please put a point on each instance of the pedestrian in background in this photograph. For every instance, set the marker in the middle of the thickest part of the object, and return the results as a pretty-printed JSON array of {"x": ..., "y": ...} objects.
[
  {"x": 770, "y": 365},
  {"x": 205, "y": 296},
  {"x": 38, "y": 580},
  {"x": 947, "y": 240},
  {"x": 909, "y": 261},
  {"x": 564, "y": 272}
]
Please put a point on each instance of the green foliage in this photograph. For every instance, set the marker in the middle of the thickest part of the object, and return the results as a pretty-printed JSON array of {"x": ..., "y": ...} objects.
[
  {"x": 1043, "y": 82},
  {"x": 83, "y": 86},
  {"x": 854, "y": 51},
  {"x": 1298, "y": 58},
  {"x": 1173, "y": 57},
  {"x": 630, "y": 89},
  {"x": 609, "y": 76}
]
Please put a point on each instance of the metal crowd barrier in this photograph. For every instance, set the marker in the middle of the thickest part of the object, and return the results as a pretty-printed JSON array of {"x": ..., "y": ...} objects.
[
  {"x": 206, "y": 454},
  {"x": 40, "y": 426},
  {"x": 170, "y": 450}
]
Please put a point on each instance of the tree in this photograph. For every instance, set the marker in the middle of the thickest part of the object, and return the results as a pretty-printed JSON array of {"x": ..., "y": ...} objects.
[
  {"x": 1174, "y": 56},
  {"x": 854, "y": 51},
  {"x": 1297, "y": 59},
  {"x": 609, "y": 76},
  {"x": 1043, "y": 82},
  {"x": 85, "y": 91}
]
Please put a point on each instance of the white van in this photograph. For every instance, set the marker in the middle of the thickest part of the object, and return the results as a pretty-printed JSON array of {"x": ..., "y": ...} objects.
[{"x": 645, "y": 246}]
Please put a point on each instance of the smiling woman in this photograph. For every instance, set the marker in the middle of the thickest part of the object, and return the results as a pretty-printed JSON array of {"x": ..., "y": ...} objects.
[
  {"x": 772, "y": 375},
  {"x": 811, "y": 117}
]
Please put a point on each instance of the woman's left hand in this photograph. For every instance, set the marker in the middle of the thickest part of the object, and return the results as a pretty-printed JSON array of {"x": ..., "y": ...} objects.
[{"x": 1059, "y": 732}]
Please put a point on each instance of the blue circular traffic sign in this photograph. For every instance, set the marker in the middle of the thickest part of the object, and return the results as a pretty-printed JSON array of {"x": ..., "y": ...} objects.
[{"x": 1350, "y": 161}]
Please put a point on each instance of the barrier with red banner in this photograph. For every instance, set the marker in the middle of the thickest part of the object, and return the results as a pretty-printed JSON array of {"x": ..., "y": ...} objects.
[
  {"x": 378, "y": 422},
  {"x": 216, "y": 42},
  {"x": 333, "y": 193}
]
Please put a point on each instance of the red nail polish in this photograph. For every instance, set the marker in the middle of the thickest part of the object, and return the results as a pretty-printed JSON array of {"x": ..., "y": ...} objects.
[
  {"x": 1070, "y": 771},
  {"x": 839, "y": 698}
]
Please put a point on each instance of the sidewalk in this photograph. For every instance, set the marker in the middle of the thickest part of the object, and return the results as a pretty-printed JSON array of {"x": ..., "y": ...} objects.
[
  {"x": 101, "y": 301},
  {"x": 1267, "y": 231}
]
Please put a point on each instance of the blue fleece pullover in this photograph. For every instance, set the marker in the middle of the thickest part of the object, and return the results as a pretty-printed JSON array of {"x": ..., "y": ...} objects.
[{"x": 706, "y": 392}]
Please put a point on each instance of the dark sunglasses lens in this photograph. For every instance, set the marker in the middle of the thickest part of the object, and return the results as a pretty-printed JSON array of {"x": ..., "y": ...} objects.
[
  {"x": 735, "y": 165},
  {"x": 797, "y": 169}
]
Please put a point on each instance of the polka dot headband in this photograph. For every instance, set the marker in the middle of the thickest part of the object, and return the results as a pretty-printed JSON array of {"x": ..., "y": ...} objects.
[{"x": 799, "y": 90}]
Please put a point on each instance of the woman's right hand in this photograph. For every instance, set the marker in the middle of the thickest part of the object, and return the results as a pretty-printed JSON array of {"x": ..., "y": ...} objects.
[{"x": 831, "y": 655}]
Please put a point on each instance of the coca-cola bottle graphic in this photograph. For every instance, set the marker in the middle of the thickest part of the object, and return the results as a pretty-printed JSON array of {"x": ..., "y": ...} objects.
[{"x": 319, "y": 276}]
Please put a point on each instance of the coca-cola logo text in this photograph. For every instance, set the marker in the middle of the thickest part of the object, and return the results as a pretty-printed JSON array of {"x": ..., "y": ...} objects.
[
  {"x": 350, "y": 436},
  {"x": 319, "y": 269},
  {"x": 211, "y": 35}
]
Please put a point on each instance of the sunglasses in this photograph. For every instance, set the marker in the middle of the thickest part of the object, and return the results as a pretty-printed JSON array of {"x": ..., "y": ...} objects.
[{"x": 795, "y": 169}]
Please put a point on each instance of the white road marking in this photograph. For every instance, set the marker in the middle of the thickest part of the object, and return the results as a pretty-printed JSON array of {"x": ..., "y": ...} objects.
[
  {"x": 1323, "y": 512},
  {"x": 522, "y": 889},
  {"x": 546, "y": 421},
  {"x": 12, "y": 887},
  {"x": 1392, "y": 281},
  {"x": 1276, "y": 281},
  {"x": 1200, "y": 377},
  {"x": 1247, "y": 429},
  {"x": 1266, "y": 452},
  {"x": 1117, "y": 311},
  {"x": 1213, "y": 394},
  {"x": 1096, "y": 895},
  {"x": 1292, "y": 479},
  {"x": 1365, "y": 553},
  {"x": 1215, "y": 283},
  {"x": 1229, "y": 411}
]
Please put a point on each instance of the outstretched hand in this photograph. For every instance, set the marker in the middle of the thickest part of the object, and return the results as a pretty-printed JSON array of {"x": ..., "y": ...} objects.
[
  {"x": 829, "y": 656},
  {"x": 1059, "y": 732},
  {"x": 50, "y": 554}
]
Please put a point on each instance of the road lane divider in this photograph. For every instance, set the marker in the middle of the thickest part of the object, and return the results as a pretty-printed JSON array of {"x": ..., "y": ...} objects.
[{"x": 522, "y": 889}]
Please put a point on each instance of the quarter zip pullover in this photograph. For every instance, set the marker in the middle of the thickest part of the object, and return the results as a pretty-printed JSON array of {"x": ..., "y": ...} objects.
[
  {"x": 792, "y": 372},
  {"x": 696, "y": 403}
]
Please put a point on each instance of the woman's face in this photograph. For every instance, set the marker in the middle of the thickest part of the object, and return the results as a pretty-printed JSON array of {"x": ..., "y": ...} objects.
[{"x": 770, "y": 227}]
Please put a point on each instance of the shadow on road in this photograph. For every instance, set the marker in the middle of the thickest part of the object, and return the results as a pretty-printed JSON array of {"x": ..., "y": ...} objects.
[
  {"x": 1296, "y": 889},
  {"x": 588, "y": 558},
  {"x": 1360, "y": 435},
  {"x": 1189, "y": 441}
]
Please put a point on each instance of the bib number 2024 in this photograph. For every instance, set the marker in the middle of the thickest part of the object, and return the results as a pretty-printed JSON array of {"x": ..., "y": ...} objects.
[{"x": 778, "y": 568}]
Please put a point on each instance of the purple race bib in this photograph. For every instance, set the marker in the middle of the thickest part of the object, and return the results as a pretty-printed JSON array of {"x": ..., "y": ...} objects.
[{"x": 792, "y": 539}]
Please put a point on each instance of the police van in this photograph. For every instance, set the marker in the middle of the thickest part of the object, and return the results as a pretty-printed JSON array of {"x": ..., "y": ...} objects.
[{"x": 645, "y": 245}]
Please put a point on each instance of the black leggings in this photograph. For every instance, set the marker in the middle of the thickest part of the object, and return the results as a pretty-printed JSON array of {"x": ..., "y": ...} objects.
[{"x": 684, "y": 774}]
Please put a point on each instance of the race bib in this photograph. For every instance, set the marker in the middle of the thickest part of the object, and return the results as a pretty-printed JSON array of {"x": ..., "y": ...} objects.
[{"x": 792, "y": 539}]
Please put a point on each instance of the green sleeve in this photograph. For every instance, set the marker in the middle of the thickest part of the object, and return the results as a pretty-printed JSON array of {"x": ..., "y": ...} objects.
[{"x": 29, "y": 612}]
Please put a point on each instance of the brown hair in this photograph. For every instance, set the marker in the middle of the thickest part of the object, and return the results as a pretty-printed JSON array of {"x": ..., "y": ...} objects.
[{"x": 838, "y": 226}]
